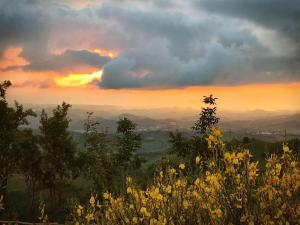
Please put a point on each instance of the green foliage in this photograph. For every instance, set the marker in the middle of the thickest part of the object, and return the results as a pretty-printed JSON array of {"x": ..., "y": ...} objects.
[
  {"x": 11, "y": 119},
  {"x": 180, "y": 144},
  {"x": 208, "y": 117},
  {"x": 31, "y": 166},
  {"x": 58, "y": 149},
  {"x": 128, "y": 141},
  {"x": 47, "y": 164},
  {"x": 95, "y": 156},
  {"x": 3, "y": 87},
  {"x": 189, "y": 148}
]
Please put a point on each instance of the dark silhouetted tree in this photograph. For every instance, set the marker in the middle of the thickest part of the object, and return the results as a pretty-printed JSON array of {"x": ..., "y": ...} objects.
[
  {"x": 11, "y": 119},
  {"x": 125, "y": 160},
  {"x": 95, "y": 156},
  {"x": 30, "y": 166},
  {"x": 207, "y": 118},
  {"x": 189, "y": 148},
  {"x": 58, "y": 149},
  {"x": 180, "y": 144},
  {"x": 128, "y": 141}
]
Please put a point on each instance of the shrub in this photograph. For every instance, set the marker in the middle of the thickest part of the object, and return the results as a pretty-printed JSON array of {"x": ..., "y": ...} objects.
[{"x": 228, "y": 188}]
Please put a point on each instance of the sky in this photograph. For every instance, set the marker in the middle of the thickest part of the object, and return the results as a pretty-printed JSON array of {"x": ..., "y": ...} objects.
[{"x": 152, "y": 53}]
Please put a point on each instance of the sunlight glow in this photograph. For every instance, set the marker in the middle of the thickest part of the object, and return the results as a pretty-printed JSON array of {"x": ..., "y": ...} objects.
[
  {"x": 12, "y": 57},
  {"x": 110, "y": 54},
  {"x": 77, "y": 80}
]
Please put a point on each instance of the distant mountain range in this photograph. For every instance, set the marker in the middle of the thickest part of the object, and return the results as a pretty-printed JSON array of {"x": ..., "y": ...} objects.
[{"x": 257, "y": 121}]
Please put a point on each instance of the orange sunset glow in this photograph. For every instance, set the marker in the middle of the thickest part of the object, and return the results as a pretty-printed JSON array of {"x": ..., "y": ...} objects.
[
  {"x": 110, "y": 54},
  {"x": 77, "y": 80},
  {"x": 238, "y": 98},
  {"x": 149, "y": 112},
  {"x": 11, "y": 57},
  {"x": 65, "y": 67}
]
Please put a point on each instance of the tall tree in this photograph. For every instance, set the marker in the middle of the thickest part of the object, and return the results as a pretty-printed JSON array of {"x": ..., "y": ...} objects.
[
  {"x": 58, "y": 149},
  {"x": 11, "y": 119},
  {"x": 207, "y": 118},
  {"x": 30, "y": 165},
  {"x": 128, "y": 141},
  {"x": 197, "y": 145},
  {"x": 95, "y": 156}
]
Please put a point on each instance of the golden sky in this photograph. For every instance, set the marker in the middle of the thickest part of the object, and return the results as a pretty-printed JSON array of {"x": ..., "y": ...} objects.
[
  {"x": 149, "y": 54},
  {"x": 53, "y": 88}
]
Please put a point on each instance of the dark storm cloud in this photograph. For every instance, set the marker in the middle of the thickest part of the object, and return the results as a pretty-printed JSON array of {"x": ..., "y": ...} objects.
[
  {"x": 161, "y": 43},
  {"x": 181, "y": 32},
  {"x": 220, "y": 65},
  {"x": 22, "y": 23},
  {"x": 282, "y": 16},
  {"x": 68, "y": 60},
  {"x": 32, "y": 24},
  {"x": 181, "y": 51}
]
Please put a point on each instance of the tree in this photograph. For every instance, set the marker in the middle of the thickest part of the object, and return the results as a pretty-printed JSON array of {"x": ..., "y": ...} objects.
[
  {"x": 11, "y": 119},
  {"x": 127, "y": 141},
  {"x": 30, "y": 165},
  {"x": 197, "y": 145},
  {"x": 58, "y": 149},
  {"x": 180, "y": 144},
  {"x": 208, "y": 117},
  {"x": 95, "y": 156}
]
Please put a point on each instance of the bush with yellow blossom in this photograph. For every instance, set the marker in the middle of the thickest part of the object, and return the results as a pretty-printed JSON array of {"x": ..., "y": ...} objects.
[{"x": 226, "y": 189}]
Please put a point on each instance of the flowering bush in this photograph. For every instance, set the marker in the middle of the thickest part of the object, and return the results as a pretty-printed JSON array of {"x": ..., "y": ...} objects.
[{"x": 225, "y": 189}]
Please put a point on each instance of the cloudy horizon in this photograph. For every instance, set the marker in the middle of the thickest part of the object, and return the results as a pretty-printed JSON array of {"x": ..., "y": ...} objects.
[{"x": 157, "y": 46}]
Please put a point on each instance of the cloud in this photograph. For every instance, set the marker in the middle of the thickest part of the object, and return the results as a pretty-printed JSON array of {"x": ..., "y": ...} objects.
[
  {"x": 39, "y": 28},
  {"x": 175, "y": 50},
  {"x": 68, "y": 61},
  {"x": 219, "y": 66},
  {"x": 22, "y": 23},
  {"x": 162, "y": 44},
  {"x": 281, "y": 16}
]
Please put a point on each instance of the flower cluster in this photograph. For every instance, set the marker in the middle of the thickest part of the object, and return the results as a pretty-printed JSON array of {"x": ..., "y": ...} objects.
[
  {"x": 227, "y": 189},
  {"x": 90, "y": 214},
  {"x": 279, "y": 194}
]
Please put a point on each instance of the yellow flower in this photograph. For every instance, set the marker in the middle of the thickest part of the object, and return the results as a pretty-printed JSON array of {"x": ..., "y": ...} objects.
[
  {"x": 106, "y": 195},
  {"x": 169, "y": 189},
  {"x": 161, "y": 174},
  {"x": 134, "y": 220},
  {"x": 155, "y": 194},
  {"x": 286, "y": 148},
  {"x": 185, "y": 204},
  {"x": 129, "y": 190},
  {"x": 235, "y": 161},
  {"x": 182, "y": 166},
  {"x": 79, "y": 211},
  {"x": 216, "y": 132},
  {"x": 198, "y": 159},
  {"x": 92, "y": 200},
  {"x": 219, "y": 213},
  {"x": 144, "y": 211},
  {"x": 89, "y": 217},
  {"x": 172, "y": 171},
  {"x": 293, "y": 164}
]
